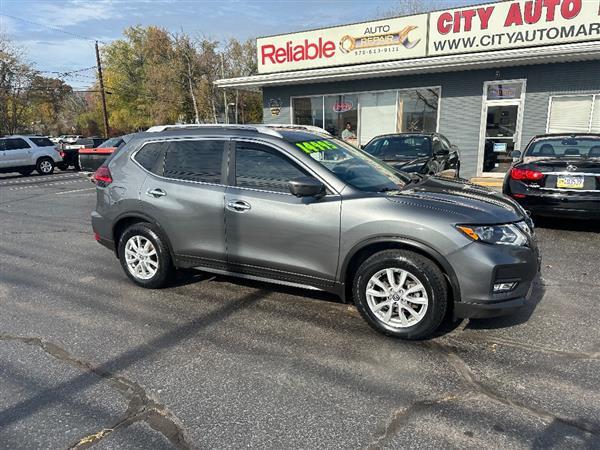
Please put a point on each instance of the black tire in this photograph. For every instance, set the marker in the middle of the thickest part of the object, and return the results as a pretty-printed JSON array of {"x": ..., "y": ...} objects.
[
  {"x": 45, "y": 166},
  {"x": 26, "y": 172},
  {"x": 164, "y": 271},
  {"x": 62, "y": 166},
  {"x": 419, "y": 267}
]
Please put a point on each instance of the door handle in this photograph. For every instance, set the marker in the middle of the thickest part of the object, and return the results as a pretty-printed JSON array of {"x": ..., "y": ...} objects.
[
  {"x": 238, "y": 206},
  {"x": 156, "y": 193}
]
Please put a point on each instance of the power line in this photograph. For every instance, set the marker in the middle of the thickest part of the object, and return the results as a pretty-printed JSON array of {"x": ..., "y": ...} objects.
[{"x": 50, "y": 27}]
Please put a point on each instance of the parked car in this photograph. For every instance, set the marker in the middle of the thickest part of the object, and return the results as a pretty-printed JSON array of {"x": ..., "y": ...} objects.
[
  {"x": 66, "y": 139},
  {"x": 24, "y": 154},
  {"x": 309, "y": 210},
  {"x": 92, "y": 158},
  {"x": 425, "y": 153},
  {"x": 557, "y": 175},
  {"x": 70, "y": 152}
]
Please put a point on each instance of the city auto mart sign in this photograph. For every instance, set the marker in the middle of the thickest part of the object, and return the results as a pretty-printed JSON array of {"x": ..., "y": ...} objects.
[
  {"x": 492, "y": 26},
  {"x": 513, "y": 24},
  {"x": 381, "y": 40}
]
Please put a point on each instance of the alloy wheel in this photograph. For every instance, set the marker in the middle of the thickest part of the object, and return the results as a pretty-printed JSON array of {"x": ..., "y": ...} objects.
[
  {"x": 397, "y": 297},
  {"x": 141, "y": 257}
]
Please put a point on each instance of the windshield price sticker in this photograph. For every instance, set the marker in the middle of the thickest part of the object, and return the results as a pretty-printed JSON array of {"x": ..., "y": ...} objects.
[{"x": 315, "y": 146}]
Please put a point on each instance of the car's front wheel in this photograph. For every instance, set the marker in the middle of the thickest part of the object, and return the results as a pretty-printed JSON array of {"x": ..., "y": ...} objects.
[
  {"x": 145, "y": 256},
  {"x": 401, "y": 293}
]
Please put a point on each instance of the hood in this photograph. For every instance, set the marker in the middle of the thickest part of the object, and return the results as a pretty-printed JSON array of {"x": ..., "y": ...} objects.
[
  {"x": 464, "y": 202},
  {"x": 591, "y": 165},
  {"x": 409, "y": 164}
]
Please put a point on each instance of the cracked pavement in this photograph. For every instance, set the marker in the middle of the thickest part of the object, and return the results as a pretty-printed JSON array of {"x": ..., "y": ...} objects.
[{"x": 89, "y": 360}]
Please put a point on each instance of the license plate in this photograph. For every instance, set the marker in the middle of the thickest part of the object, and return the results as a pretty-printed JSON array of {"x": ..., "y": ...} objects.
[{"x": 570, "y": 182}]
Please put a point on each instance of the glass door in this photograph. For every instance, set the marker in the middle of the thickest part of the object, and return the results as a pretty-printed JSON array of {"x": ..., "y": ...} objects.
[
  {"x": 500, "y": 137},
  {"x": 501, "y": 126}
]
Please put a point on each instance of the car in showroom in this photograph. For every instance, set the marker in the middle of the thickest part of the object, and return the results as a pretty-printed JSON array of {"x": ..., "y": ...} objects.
[
  {"x": 557, "y": 175},
  {"x": 24, "y": 154},
  {"x": 424, "y": 153},
  {"x": 305, "y": 209}
]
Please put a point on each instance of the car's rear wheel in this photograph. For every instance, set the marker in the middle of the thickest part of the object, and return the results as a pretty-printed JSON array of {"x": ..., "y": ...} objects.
[
  {"x": 401, "y": 293},
  {"x": 44, "y": 166},
  {"x": 145, "y": 257}
]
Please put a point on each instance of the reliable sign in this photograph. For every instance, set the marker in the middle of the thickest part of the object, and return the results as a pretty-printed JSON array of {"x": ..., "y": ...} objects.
[
  {"x": 382, "y": 40},
  {"x": 493, "y": 26}
]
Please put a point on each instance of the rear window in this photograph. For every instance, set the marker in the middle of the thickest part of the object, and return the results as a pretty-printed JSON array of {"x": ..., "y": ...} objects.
[
  {"x": 195, "y": 161},
  {"x": 42, "y": 142},
  {"x": 565, "y": 147},
  {"x": 112, "y": 142}
]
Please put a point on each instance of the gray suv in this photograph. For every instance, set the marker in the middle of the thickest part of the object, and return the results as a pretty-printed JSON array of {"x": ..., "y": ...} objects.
[{"x": 305, "y": 209}]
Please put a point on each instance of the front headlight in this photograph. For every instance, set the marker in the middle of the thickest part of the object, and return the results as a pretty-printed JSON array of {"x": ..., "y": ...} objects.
[{"x": 508, "y": 234}]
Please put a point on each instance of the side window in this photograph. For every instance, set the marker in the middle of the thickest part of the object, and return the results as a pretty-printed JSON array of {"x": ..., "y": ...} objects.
[
  {"x": 2, "y": 146},
  {"x": 195, "y": 161},
  {"x": 259, "y": 167},
  {"x": 149, "y": 157},
  {"x": 16, "y": 144}
]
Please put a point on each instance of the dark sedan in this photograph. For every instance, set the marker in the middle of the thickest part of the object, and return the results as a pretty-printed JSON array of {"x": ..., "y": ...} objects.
[
  {"x": 425, "y": 153},
  {"x": 557, "y": 175}
]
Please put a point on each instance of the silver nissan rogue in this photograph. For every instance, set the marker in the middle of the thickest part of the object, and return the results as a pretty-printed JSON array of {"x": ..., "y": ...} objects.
[{"x": 292, "y": 206}]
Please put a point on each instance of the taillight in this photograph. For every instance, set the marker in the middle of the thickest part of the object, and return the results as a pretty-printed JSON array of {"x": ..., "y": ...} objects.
[
  {"x": 526, "y": 174},
  {"x": 61, "y": 153},
  {"x": 102, "y": 176}
]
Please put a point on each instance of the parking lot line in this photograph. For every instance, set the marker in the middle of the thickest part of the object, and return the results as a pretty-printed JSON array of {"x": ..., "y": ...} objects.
[{"x": 75, "y": 190}]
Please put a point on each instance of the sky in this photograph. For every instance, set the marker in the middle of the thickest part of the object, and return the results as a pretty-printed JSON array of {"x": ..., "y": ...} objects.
[{"x": 58, "y": 35}]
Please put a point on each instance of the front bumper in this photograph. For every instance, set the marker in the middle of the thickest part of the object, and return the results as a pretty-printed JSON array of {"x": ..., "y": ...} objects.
[{"x": 479, "y": 266}]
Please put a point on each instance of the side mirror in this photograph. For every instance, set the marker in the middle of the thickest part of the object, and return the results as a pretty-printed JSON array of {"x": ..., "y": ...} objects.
[
  {"x": 306, "y": 187},
  {"x": 442, "y": 152},
  {"x": 515, "y": 154}
]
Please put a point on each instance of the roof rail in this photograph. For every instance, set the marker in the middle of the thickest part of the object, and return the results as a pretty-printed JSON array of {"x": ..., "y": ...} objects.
[
  {"x": 270, "y": 129},
  {"x": 310, "y": 128},
  {"x": 258, "y": 128}
]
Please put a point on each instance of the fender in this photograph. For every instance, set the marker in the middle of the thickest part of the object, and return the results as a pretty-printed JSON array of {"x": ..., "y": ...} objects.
[
  {"x": 146, "y": 218},
  {"x": 422, "y": 247}
]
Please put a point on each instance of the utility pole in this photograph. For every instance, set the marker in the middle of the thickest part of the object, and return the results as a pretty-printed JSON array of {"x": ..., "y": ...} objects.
[
  {"x": 102, "y": 93},
  {"x": 225, "y": 105},
  {"x": 237, "y": 101}
]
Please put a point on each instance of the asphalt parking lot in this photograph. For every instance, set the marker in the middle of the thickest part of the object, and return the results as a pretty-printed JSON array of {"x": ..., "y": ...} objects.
[{"x": 88, "y": 359}]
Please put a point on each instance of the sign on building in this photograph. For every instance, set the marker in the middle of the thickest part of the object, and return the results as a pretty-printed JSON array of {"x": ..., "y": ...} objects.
[
  {"x": 506, "y": 25},
  {"x": 479, "y": 28},
  {"x": 381, "y": 40}
]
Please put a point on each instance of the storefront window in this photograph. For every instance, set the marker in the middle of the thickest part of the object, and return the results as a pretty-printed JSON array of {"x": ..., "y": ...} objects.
[
  {"x": 377, "y": 114},
  {"x": 308, "y": 111},
  {"x": 341, "y": 116},
  {"x": 418, "y": 110},
  {"x": 407, "y": 110}
]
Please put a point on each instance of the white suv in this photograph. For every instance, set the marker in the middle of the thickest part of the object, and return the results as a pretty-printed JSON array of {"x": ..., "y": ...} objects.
[{"x": 24, "y": 154}]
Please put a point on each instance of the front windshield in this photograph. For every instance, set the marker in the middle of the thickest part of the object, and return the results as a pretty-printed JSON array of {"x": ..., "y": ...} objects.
[
  {"x": 565, "y": 147},
  {"x": 392, "y": 148},
  {"x": 354, "y": 166}
]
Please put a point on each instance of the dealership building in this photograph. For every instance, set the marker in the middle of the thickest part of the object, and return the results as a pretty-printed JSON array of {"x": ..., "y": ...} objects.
[{"x": 488, "y": 77}]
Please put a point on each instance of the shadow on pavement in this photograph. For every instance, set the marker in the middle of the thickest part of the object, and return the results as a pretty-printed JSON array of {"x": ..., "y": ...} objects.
[{"x": 126, "y": 359}]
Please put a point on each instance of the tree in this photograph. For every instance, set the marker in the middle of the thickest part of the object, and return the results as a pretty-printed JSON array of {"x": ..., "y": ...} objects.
[{"x": 409, "y": 7}]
